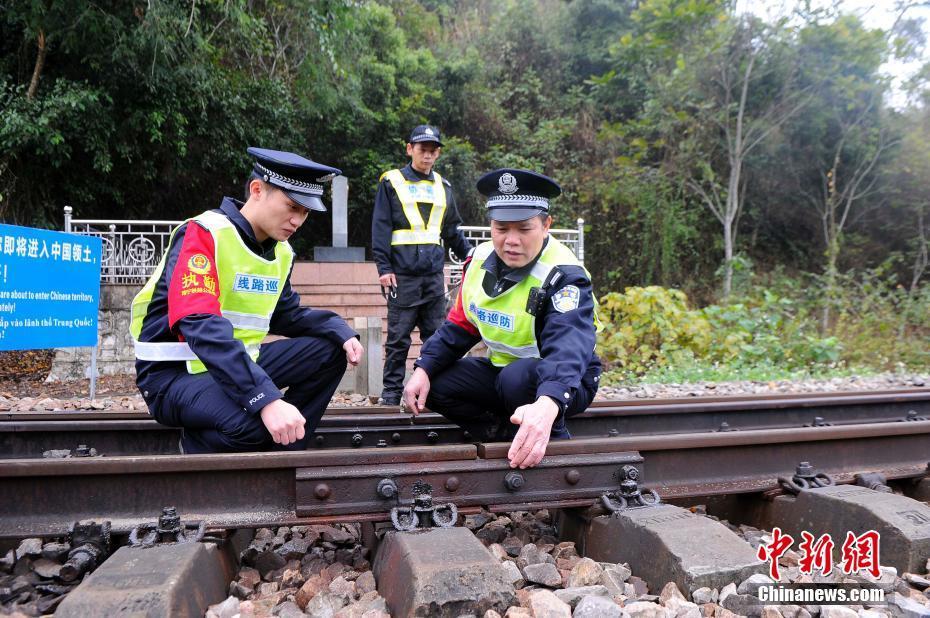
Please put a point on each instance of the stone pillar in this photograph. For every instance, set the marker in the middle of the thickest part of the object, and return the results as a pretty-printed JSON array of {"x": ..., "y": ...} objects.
[
  {"x": 369, "y": 373},
  {"x": 340, "y": 251}
]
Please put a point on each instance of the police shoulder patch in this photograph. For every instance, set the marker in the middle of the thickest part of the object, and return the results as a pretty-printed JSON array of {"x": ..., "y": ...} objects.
[{"x": 566, "y": 299}]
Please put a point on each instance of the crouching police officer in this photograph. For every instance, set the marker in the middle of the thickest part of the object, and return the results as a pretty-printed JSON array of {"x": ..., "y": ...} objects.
[
  {"x": 529, "y": 299},
  {"x": 414, "y": 212},
  {"x": 221, "y": 287}
]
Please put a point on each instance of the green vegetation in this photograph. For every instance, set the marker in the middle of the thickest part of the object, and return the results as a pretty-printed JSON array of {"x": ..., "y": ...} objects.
[
  {"x": 769, "y": 331},
  {"x": 755, "y": 165}
]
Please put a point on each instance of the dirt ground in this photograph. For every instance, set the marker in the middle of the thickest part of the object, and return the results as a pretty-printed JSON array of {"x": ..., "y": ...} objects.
[{"x": 22, "y": 374}]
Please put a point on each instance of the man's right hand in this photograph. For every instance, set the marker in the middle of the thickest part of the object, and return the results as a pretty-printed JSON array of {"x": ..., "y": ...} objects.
[
  {"x": 416, "y": 391},
  {"x": 284, "y": 422},
  {"x": 388, "y": 280}
]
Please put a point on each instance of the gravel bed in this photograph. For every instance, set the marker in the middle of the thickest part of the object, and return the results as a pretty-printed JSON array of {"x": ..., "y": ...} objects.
[
  {"x": 30, "y": 578},
  {"x": 324, "y": 571},
  {"x": 304, "y": 571},
  {"x": 553, "y": 580},
  {"x": 332, "y": 578},
  {"x": 884, "y": 381}
]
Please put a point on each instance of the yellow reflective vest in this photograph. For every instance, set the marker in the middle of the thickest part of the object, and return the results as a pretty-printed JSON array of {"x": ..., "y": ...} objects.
[
  {"x": 505, "y": 326},
  {"x": 409, "y": 193},
  {"x": 248, "y": 287}
]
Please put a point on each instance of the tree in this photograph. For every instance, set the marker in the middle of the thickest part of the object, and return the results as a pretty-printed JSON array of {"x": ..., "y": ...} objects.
[
  {"x": 716, "y": 87},
  {"x": 754, "y": 91},
  {"x": 838, "y": 151}
]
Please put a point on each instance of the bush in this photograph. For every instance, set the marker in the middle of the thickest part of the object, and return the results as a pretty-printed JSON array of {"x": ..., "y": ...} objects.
[
  {"x": 648, "y": 327},
  {"x": 881, "y": 323},
  {"x": 652, "y": 331}
]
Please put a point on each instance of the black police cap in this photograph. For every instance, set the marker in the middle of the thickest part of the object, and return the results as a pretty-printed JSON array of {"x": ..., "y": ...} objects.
[
  {"x": 425, "y": 133},
  {"x": 517, "y": 195},
  {"x": 300, "y": 178}
]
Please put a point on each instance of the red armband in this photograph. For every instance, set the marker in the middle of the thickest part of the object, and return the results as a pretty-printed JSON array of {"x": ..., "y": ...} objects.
[
  {"x": 193, "y": 287},
  {"x": 457, "y": 313}
]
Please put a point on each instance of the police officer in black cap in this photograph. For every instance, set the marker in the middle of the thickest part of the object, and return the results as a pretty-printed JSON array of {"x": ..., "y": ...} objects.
[
  {"x": 414, "y": 213},
  {"x": 221, "y": 287},
  {"x": 529, "y": 300}
]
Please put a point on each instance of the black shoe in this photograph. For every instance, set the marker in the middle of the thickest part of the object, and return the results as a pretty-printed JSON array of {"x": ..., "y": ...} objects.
[{"x": 389, "y": 400}]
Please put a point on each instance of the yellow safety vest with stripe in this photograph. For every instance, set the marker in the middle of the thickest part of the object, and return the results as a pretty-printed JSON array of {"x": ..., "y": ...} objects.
[
  {"x": 409, "y": 193},
  {"x": 248, "y": 286},
  {"x": 505, "y": 326}
]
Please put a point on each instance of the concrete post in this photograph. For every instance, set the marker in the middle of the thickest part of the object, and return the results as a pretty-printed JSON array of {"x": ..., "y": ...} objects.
[
  {"x": 340, "y": 251},
  {"x": 361, "y": 371},
  {"x": 580, "y": 251},
  {"x": 68, "y": 219},
  {"x": 340, "y": 211},
  {"x": 369, "y": 373},
  {"x": 375, "y": 353}
]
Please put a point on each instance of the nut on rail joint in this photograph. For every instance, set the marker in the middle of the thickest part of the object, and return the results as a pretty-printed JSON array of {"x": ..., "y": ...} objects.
[
  {"x": 168, "y": 529},
  {"x": 804, "y": 478},
  {"x": 630, "y": 496},
  {"x": 423, "y": 513}
]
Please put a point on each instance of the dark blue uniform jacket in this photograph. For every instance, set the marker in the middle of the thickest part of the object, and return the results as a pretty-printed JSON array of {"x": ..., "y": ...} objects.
[
  {"x": 566, "y": 340},
  {"x": 211, "y": 338},
  {"x": 389, "y": 215}
]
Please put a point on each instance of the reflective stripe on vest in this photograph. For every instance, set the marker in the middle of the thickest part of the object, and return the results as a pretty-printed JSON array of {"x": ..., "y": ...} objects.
[
  {"x": 170, "y": 351},
  {"x": 248, "y": 287},
  {"x": 505, "y": 327},
  {"x": 409, "y": 194}
]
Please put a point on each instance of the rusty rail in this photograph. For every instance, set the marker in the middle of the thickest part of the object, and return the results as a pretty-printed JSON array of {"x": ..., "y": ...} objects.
[
  {"x": 29, "y": 434},
  {"x": 42, "y": 497}
]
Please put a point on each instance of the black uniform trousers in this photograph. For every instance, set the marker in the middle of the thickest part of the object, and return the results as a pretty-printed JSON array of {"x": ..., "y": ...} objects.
[
  {"x": 309, "y": 367},
  {"x": 480, "y": 398},
  {"x": 418, "y": 302}
]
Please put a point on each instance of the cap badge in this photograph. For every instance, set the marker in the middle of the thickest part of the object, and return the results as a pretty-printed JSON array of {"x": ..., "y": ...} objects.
[
  {"x": 428, "y": 131},
  {"x": 507, "y": 183}
]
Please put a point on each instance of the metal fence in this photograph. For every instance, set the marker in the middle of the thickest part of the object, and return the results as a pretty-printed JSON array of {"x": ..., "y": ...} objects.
[{"x": 132, "y": 249}]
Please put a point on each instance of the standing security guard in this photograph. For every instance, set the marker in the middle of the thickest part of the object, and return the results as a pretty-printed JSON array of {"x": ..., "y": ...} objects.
[
  {"x": 529, "y": 299},
  {"x": 221, "y": 287},
  {"x": 414, "y": 211}
]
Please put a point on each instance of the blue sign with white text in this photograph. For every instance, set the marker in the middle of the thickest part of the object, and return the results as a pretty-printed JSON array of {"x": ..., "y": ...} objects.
[{"x": 49, "y": 289}]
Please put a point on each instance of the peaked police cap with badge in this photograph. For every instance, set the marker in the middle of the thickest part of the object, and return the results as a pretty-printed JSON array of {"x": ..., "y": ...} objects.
[
  {"x": 425, "y": 133},
  {"x": 517, "y": 195},
  {"x": 300, "y": 178}
]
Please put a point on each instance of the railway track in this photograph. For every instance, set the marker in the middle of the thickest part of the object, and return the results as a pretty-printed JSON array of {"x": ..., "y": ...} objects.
[
  {"x": 731, "y": 454},
  {"x": 683, "y": 450},
  {"x": 30, "y": 434}
]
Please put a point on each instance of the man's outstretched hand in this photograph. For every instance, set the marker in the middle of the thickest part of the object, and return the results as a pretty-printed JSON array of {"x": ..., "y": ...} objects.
[
  {"x": 535, "y": 421},
  {"x": 416, "y": 390}
]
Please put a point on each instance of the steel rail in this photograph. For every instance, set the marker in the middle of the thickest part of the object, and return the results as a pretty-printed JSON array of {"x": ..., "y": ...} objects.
[
  {"x": 30, "y": 434},
  {"x": 42, "y": 497},
  {"x": 779, "y": 400}
]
